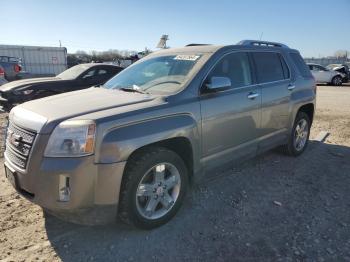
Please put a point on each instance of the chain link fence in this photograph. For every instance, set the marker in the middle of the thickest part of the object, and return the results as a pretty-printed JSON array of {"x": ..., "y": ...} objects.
[{"x": 327, "y": 61}]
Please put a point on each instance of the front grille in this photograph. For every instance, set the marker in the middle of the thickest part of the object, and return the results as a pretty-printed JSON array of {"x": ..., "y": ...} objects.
[{"x": 19, "y": 142}]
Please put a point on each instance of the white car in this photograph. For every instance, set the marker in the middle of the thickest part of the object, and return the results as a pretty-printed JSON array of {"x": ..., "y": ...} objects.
[{"x": 324, "y": 75}]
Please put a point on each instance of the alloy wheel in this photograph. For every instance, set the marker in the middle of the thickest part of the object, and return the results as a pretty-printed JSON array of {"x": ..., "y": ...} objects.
[
  {"x": 301, "y": 134},
  {"x": 158, "y": 191}
]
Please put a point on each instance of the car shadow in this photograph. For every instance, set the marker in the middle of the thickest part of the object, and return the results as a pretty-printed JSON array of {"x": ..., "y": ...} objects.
[{"x": 272, "y": 207}]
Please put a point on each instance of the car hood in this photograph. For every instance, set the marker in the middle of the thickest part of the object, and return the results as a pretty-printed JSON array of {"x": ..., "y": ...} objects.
[
  {"x": 48, "y": 112},
  {"x": 26, "y": 82}
]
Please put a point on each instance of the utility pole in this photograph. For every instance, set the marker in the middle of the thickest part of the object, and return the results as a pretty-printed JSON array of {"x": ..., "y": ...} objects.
[{"x": 60, "y": 43}]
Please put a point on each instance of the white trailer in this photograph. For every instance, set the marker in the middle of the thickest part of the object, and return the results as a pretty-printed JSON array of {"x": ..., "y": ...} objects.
[{"x": 38, "y": 60}]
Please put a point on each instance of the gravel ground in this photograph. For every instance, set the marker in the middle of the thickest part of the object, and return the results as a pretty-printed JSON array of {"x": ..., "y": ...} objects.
[{"x": 271, "y": 208}]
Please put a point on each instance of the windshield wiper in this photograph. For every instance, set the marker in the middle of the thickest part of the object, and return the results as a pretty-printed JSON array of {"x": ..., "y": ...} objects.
[{"x": 133, "y": 88}]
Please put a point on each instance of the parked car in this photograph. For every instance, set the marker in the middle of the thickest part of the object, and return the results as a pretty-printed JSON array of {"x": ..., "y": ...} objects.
[
  {"x": 12, "y": 67},
  {"x": 324, "y": 75},
  {"x": 2, "y": 76},
  {"x": 75, "y": 78},
  {"x": 133, "y": 146},
  {"x": 342, "y": 69}
]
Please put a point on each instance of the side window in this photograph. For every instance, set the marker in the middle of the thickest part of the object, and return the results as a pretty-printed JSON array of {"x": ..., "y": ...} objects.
[
  {"x": 101, "y": 72},
  {"x": 300, "y": 64},
  {"x": 310, "y": 67},
  {"x": 89, "y": 74},
  {"x": 234, "y": 66},
  {"x": 269, "y": 67}
]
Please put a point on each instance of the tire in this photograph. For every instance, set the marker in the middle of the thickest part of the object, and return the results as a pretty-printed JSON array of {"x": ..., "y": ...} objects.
[
  {"x": 291, "y": 147},
  {"x": 337, "y": 81},
  {"x": 142, "y": 187}
]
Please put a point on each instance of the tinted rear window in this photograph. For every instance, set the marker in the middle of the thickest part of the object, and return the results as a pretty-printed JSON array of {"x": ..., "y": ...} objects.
[
  {"x": 269, "y": 67},
  {"x": 300, "y": 64}
]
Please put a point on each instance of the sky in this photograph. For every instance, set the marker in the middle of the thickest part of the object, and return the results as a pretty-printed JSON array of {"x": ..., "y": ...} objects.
[{"x": 314, "y": 27}]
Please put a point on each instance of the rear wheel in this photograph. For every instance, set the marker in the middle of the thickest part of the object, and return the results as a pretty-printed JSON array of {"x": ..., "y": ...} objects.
[
  {"x": 299, "y": 137},
  {"x": 337, "y": 81},
  {"x": 153, "y": 188}
]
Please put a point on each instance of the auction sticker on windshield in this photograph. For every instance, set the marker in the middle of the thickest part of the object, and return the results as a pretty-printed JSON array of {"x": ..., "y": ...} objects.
[{"x": 187, "y": 57}]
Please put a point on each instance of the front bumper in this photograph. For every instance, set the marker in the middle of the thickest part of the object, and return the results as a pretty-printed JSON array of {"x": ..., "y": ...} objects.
[{"x": 94, "y": 188}]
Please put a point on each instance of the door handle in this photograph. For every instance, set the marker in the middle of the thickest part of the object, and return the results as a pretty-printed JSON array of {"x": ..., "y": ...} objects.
[
  {"x": 253, "y": 95},
  {"x": 291, "y": 87}
]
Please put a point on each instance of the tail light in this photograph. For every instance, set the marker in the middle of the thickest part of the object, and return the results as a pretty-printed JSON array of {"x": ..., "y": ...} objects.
[
  {"x": 2, "y": 72},
  {"x": 17, "y": 68}
]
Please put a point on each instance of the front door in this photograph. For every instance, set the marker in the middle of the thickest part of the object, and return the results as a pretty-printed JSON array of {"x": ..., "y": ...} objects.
[
  {"x": 320, "y": 74},
  {"x": 230, "y": 117}
]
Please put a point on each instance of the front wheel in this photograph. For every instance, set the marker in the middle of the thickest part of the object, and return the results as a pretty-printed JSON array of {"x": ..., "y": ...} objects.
[
  {"x": 337, "y": 81},
  {"x": 299, "y": 136},
  {"x": 153, "y": 188}
]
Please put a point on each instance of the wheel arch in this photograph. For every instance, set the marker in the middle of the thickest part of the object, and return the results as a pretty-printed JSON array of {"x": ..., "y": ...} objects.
[
  {"x": 308, "y": 109},
  {"x": 182, "y": 146},
  {"x": 178, "y": 133}
]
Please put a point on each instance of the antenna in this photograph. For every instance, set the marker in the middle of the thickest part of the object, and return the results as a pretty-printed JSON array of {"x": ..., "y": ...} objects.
[
  {"x": 261, "y": 35},
  {"x": 162, "y": 42}
]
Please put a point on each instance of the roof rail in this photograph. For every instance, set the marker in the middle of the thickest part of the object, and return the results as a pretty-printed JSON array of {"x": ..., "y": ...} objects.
[
  {"x": 261, "y": 43},
  {"x": 196, "y": 44}
]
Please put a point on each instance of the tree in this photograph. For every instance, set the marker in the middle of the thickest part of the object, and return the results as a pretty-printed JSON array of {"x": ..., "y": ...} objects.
[
  {"x": 341, "y": 53},
  {"x": 100, "y": 56}
]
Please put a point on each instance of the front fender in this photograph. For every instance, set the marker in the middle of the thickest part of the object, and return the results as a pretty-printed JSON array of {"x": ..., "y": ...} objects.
[{"x": 119, "y": 143}]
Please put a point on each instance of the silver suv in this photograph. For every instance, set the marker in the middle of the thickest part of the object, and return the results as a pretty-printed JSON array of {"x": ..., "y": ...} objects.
[{"x": 131, "y": 147}]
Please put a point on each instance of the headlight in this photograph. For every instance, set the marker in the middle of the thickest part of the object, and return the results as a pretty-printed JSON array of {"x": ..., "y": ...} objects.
[{"x": 72, "y": 138}]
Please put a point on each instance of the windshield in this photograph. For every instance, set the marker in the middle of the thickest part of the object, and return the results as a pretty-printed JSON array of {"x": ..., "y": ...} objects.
[
  {"x": 73, "y": 72},
  {"x": 164, "y": 75}
]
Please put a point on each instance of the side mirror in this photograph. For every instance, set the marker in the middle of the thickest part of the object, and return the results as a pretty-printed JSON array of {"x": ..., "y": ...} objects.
[{"x": 218, "y": 82}]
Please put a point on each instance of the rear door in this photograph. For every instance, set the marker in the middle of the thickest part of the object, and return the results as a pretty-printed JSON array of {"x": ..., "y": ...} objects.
[
  {"x": 230, "y": 117},
  {"x": 274, "y": 78},
  {"x": 325, "y": 74}
]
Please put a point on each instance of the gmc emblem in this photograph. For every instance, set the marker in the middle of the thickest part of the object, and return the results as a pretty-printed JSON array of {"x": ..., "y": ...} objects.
[{"x": 14, "y": 139}]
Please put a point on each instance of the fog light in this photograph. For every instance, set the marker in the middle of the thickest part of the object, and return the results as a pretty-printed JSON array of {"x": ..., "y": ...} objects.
[{"x": 64, "y": 189}]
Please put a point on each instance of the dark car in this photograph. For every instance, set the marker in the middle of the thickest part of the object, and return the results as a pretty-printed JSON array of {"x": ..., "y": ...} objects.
[
  {"x": 75, "y": 78},
  {"x": 12, "y": 67}
]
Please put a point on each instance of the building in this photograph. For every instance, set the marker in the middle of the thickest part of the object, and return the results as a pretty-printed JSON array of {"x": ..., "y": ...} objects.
[{"x": 38, "y": 60}]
